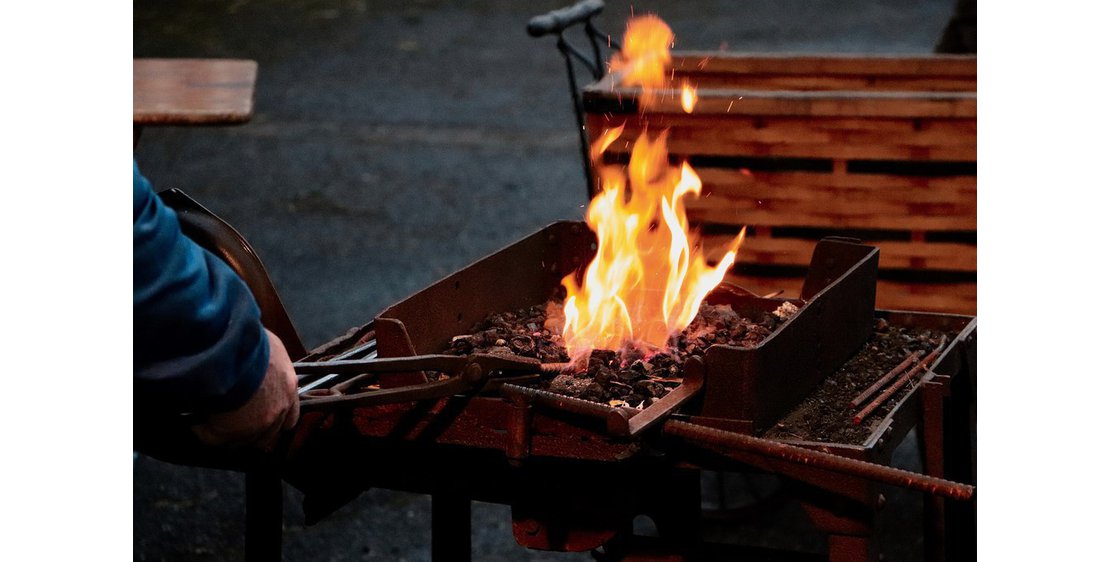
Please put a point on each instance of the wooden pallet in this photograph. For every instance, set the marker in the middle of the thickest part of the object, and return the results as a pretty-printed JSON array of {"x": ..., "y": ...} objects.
[{"x": 800, "y": 147}]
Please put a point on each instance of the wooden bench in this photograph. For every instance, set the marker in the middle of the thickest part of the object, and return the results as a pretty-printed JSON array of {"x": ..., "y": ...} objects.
[
  {"x": 801, "y": 147},
  {"x": 193, "y": 91}
]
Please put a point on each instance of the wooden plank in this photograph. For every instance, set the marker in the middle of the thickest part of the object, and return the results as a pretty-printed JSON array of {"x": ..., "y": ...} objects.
[
  {"x": 936, "y": 256},
  {"x": 687, "y": 148},
  {"x": 916, "y": 201},
  {"x": 791, "y": 103},
  {"x": 958, "y": 187},
  {"x": 910, "y": 215},
  {"x": 724, "y": 134},
  {"x": 953, "y": 140},
  {"x": 733, "y": 212},
  {"x": 958, "y": 298},
  {"x": 825, "y": 64},
  {"x": 812, "y": 190},
  {"x": 193, "y": 91},
  {"x": 861, "y": 82},
  {"x": 785, "y": 125}
]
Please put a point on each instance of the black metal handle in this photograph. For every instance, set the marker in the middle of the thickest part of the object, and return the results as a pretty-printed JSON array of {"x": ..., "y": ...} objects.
[{"x": 556, "y": 21}]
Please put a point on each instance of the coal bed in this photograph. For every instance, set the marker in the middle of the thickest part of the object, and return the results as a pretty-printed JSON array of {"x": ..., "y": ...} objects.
[
  {"x": 621, "y": 378},
  {"x": 631, "y": 378}
]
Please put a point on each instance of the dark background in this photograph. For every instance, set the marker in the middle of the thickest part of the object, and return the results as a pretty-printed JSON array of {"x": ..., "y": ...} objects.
[{"x": 392, "y": 143}]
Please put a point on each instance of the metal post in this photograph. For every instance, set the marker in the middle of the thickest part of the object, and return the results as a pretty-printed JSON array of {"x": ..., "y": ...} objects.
[
  {"x": 933, "y": 429},
  {"x": 579, "y": 112}
]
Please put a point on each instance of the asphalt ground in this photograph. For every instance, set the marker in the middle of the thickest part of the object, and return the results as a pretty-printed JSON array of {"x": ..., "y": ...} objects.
[{"x": 393, "y": 143}]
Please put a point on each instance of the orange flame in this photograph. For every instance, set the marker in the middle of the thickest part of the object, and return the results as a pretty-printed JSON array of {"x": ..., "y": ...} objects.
[
  {"x": 689, "y": 97},
  {"x": 645, "y": 55},
  {"x": 649, "y": 276}
]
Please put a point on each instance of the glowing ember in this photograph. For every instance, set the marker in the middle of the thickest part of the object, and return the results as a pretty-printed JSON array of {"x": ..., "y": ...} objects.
[
  {"x": 649, "y": 276},
  {"x": 689, "y": 97}
]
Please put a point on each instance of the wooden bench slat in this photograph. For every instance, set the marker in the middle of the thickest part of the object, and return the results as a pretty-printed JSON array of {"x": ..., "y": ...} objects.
[
  {"x": 835, "y": 103},
  {"x": 804, "y": 182},
  {"x": 820, "y": 190},
  {"x": 936, "y": 256},
  {"x": 724, "y": 137},
  {"x": 825, "y": 64},
  {"x": 193, "y": 91},
  {"x": 959, "y": 298},
  {"x": 656, "y": 123},
  {"x": 707, "y": 80},
  {"x": 907, "y": 211},
  {"x": 687, "y": 148},
  {"x": 732, "y": 213}
]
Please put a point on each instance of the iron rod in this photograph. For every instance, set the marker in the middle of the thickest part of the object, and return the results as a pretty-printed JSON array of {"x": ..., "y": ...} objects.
[
  {"x": 885, "y": 379},
  {"x": 567, "y": 403},
  {"x": 583, "y": 139},
  {"x": 599, "y": 65},
  {"x": 843, "y": 465},
  {"x": 898, "y": 384}
]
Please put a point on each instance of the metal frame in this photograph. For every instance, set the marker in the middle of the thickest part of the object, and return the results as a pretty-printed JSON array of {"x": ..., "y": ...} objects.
[{"x": 556, "y": 23}]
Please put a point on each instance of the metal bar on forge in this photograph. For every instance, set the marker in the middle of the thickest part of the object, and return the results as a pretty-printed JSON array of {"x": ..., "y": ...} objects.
[{"x": 699, "y": 434}]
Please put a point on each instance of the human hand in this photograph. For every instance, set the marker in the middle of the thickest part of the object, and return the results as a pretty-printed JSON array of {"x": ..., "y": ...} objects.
[{"x": 274, "y": 407}]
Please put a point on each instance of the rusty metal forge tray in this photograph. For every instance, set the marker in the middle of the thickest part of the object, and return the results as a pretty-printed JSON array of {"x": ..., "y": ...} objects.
[
  {"x": 746, "y": 390},
  {"x": 465, "y": 445}
]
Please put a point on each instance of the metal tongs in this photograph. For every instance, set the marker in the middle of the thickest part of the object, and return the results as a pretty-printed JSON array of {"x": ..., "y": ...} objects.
[{"x": 347, "y": 381}]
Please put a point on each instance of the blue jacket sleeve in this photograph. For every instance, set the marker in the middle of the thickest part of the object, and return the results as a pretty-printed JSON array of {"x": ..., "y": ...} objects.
[{"x": 199, "y": 345}]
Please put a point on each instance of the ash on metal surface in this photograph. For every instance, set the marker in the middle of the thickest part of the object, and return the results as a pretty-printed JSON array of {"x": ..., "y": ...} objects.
[
  {"x": 826, "y": 414},
  {"x": 627, "y": 377}
]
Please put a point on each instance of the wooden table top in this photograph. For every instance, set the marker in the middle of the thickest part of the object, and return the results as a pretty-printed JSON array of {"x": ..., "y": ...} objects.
[{"x": 193, "y": 91}]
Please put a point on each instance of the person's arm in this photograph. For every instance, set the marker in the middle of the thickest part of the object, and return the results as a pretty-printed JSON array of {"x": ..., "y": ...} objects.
[{"x": 199, "y": 344}]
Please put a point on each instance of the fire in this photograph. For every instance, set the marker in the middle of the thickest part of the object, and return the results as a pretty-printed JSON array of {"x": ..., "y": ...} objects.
[
  {"x": 645, "y": 55},
  {"x": 649, "y": 276},
  {"x": 689, "y": 97}
]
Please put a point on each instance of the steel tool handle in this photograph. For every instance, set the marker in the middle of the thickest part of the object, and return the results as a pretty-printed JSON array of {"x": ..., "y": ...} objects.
[
  {"x": 556, "y": 21},
  {"x": 469, "y": 373},
  {"x": 441, "y": 363},
  {"x": 468, "y": 380},
  {"x": 446, "y": 363}
]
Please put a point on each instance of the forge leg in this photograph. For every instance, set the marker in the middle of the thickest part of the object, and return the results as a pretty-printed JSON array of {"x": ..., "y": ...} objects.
[
  {"x": 933, "y": 431},
  {"x": 948, "y": 429},
  {"x": 847, "y": 548},
  {"x": 676, "y": 511},
  {"x": 264, "y": 516},
  {"x": 678, "y": 516},
  {"x": 450, "y": 527},
  {"x": 848, "y": 524}
]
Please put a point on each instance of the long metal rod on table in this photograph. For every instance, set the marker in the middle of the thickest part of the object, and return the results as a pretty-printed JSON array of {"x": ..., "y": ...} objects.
[{"x": 699, "y": 434}]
